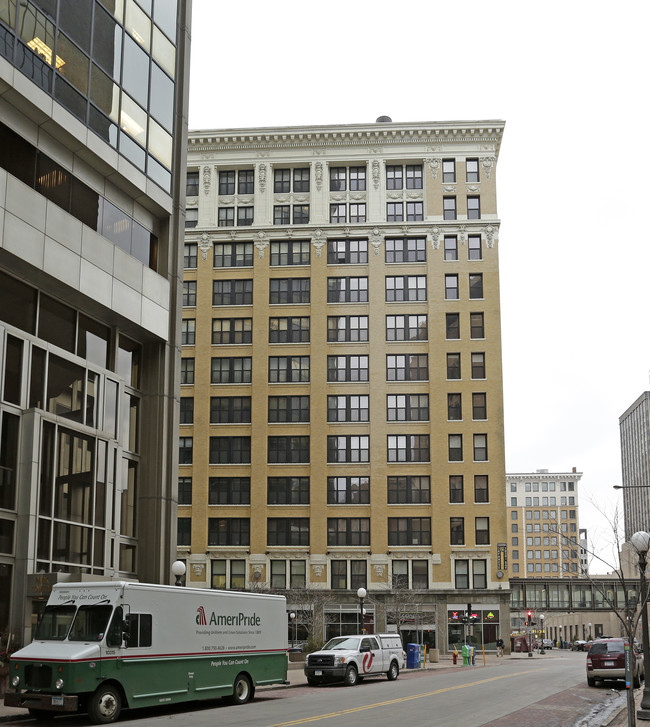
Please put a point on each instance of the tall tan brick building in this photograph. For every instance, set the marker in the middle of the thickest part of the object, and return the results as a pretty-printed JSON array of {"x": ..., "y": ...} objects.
[{"x": 341, "y": 385}]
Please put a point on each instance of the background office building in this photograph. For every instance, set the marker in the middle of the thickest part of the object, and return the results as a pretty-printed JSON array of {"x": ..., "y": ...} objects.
[
  {"x": 341, "y": 386},
  {"x": 93, "y": 99},
  {"x": 545, "y": 539},
  {"x": 635, "y": 460}
]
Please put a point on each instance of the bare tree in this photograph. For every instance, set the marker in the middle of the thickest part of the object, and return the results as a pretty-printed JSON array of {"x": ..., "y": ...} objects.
[{"x": 309, "y": 605}]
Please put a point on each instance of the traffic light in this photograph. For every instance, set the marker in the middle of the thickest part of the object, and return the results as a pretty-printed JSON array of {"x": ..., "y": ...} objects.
[{"x": 529, "y": 621}]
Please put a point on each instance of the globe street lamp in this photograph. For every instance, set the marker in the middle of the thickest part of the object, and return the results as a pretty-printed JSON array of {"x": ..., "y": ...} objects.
[
  {"x": 361, "y": 594},
  {"x": 178, "y": 571},
  {"x": 292, "y": 616},
  {"x": 641, "y": 543},
  {"x": 541, "y": 618}
]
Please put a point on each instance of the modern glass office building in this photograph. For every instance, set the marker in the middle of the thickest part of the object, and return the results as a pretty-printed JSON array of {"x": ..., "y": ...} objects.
[{"x": 93, "y": 107}]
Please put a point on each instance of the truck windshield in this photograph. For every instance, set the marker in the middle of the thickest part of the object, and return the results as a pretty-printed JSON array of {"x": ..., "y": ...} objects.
[
  {"x": 90, "y": 623},
  {"x": 342, "y": 642},
  {"x": 55, "y": 623}
]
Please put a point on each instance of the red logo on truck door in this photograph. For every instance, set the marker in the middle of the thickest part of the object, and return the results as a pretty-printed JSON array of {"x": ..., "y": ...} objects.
[{"x": 367, "y": 661}]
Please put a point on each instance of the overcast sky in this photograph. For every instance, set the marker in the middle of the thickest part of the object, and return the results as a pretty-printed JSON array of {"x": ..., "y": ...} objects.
[{"x": 570, "y": 79}]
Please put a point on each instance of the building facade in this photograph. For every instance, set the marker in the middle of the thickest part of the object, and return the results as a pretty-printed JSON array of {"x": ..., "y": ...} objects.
[
  {"x": 341, "y": 419},
  {"x": 93, "y": 107},
  {"x": 635, "y": 461},
  {"x": 545, "y": 540}
]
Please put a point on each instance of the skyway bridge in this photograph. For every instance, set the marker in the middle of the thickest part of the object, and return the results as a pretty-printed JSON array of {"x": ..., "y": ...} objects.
[{"x": 573, "y": 594}]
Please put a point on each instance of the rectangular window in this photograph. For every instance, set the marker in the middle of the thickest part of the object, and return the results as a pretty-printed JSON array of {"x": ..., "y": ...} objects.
[
  {"x": 419, "y": 574},
  {"x": 407, "y": 407},
  {"x": 348, "y": 408},
  {"x": 348, "y": 531},
  {"x": 230, "y": 409},
  {"x": 184, "y": 531},
  {"x": 453, "y": 366},
  {"x": 479, "y": 406},
  {"x": 400, "y": 574},
  {"x": 451, "y": 287},
  {"x": 358, "y": 574},
  {"x": 191, "y": 217},
  {"x": 348, "y": 448},
  {"x": 301, "y": 179},
  {"x": 406, "y": 328},
  {"x": 244, "y": 216},
  {"x": 287, "y": 490},
  {"x": 474, "y": 249},
  {"x": 187, "y": 410},
  {"x": 185, "y": 446},
  {"x": 339, "y": 580},
  {"x": 454, "y": 407},
  {"x": 281, "y": 181},
  {"x": 452, "y": 326},
  {"x": 482, "y": 530},
  {"x": 449, "y": 208},
  {"x": 478, "y": 365},
  {"x": 409, "y": 288},
  {"x": 233, "y": 255},
  {"x": 406, "y": 249},
  {"x": 289, "y": 330},
  {"x": 226, "y": 217},
  {"x": 448, "y": 170},
  {"x": 481, "y": 490},
  {"x": 347, "y": 368},
  {"x": 301, "y": 214},
  {"x": 451, "y": 247},
  {"x": 347, "y": 252},
  {"x": 405, "y": 367},
  {"x": 230, "y": 450},
  {"x": 288, "y": 409},
  {"x": 347, "y": 290},
  {"x": 232, "y": 292},
  {"x": 471, "y": 170},
  {"x": 229, "y": 491},
  {"x": 357, "y": 211},
  {"x": 229, "y": 531},
  {"x": 414, "y": 211},
  {"x": 289, "y": 290},
  {"x": 348, "y": 490},
  {"x": 338, "y": 178},
  {"x": 288, "y": 369},
  {"x": 413, "y": 176},
  {"x": 187, "y": 371},
  {"x": 192, "y": 184},
  {"x": 246, "y": 181},
  {"x": 473, "y": 208},
  {"x": 232, "y": 331},
  {"x": 479, "y": 573},
  {"x": 184, "y": 490},
  {"x": 290, "y": 252},
  {"x": 190, "y": 255},
  {"x": 476, "y": 285},
  {"x": 231, "y": 370},
  {"x": 338, "y": 213},
  {"x": 394, "y": 177},
  {"x": 456, "y": 488},
  {"x": 408, "y": 448},
  {"x": 287, "y": 449},
  {"x": 477, "y": 325},
  {"x": 480, "y": 448},
  {"x": 287, "y": 531},
  {"x": 409, "y": 490},
  {"x": 461, "y": 574},
  {"x": 394, "y": 212},
  {"x": 409, "y": 531},
  {"x": 188, "y": 332},
  {"x": 189, "y": 293},
  {"x": 357, "y": 179},
  {"x": 238, "y": 574},
  {"x": 455, "y": 446},
  {"x": 227, "y": 182},
  {"x": 347, "y": 328},
  {"x": 457, "y": 531},
  {"x": 281, "y": 214}
]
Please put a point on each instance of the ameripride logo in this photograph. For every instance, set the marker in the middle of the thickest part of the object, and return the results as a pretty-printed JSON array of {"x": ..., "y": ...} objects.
[{"x": 225, "y": 619}]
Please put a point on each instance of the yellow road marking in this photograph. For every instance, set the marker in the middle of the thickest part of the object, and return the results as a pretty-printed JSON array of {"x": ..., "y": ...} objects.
[{"x": 342, "y": 712}]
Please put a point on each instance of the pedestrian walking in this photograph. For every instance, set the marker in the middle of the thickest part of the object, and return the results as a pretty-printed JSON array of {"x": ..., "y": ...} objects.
[{"x": 500, "y": 646}]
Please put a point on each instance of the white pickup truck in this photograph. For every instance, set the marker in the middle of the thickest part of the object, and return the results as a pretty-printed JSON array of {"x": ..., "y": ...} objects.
[{"x": 352, "y": 658}]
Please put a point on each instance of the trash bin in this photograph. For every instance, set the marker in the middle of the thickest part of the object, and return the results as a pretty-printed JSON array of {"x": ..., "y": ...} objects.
[
  {"x": 434, "y": 656},
  {"x": 413, "y": 656}
]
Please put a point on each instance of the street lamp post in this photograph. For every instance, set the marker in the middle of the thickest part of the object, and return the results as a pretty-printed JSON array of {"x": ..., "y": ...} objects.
[
  {"x": 541, "y": 618},
  {"x": 589, "y": 634},
  {"x": 292, "y": 616},
  {"x": 641, "y": 543},
  {"x": 361, "y": 594}
]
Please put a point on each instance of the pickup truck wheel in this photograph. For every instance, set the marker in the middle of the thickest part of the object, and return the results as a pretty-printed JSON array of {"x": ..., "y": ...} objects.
[
  {"x": 105, "y": 705},
  {"x": 40, "y": 714},
  {"x": 313, "y": 682},
  {"x": 393, "y": 671},
  {"x": 351, "y": 676},
  {"x": 242, "y": 690}
]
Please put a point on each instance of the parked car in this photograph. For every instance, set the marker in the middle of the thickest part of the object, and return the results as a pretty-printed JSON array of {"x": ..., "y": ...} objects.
[
  {"x": 579, "y": 645},
  {"x": 548, "y": 643},
  {"x": 606, "y": 660}
]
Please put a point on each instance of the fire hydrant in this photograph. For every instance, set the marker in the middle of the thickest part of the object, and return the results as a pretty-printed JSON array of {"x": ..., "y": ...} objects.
[{"x": 454, "y": 657}]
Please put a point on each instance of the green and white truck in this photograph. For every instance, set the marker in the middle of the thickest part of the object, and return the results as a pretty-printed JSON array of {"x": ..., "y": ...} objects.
[{"x": 101, "y": 647}]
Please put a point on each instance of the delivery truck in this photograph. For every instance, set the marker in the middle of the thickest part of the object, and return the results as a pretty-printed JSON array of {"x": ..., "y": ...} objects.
[{"x": 101, "y": 647}]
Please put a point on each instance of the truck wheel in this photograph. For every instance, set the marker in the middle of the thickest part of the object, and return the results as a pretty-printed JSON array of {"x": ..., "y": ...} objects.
[
  {"x": 40, "y": 714},
  {"x": 313, "y": 682},
  {"x": 351, "y": 676},
  {"x": 105, "y": 705},
  {"x": 242, "y": 690},
  {"x": 393, "y": 671}
]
